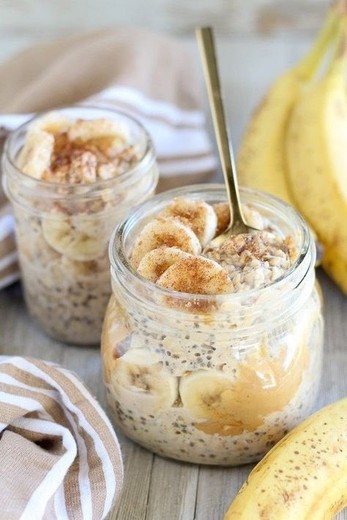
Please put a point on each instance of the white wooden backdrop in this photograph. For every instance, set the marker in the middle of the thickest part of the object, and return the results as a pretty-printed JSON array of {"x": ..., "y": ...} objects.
[
  {"x": 248, "y": 32},
  {"x": 23, "y": 21}
]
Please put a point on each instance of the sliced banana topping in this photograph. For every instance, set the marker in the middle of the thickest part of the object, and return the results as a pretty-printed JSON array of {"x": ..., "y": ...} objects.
[
  {"x": 77, "y": 238},
  {"x": 196, "y": 214},
  {"x": 222, "y": 211},
  {"x": 36, "y": 154},
  {"x": 53, "y": 122},
  {"x": 87, "y": 129},
  {"x": 164, "y": 231},
  {"x": 157, "y": 261},
  {"x": 241, "y": 262},
  {"x": 68, "y": 151},
  {"x": 140, "y": 383},
  {"x": 253, "y": 217},
  {"x": 196, "y": 275}
]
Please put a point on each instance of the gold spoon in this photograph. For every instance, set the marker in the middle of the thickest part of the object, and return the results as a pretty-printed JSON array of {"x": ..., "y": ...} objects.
[{"x": 237, "y": 223}]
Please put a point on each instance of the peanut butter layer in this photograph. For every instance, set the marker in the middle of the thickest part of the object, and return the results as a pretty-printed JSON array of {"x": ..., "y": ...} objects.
[{"x": 245, "y": 403}]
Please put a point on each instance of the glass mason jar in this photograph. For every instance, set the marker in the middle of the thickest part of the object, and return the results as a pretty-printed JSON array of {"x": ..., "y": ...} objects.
[
  {"x": 212, "y": 379},
  {"x": 62, "y": 232}
]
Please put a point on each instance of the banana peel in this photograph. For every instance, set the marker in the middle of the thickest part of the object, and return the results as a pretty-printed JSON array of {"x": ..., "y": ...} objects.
[
  {"x": 316, "y": 150},
  {"x": 261, "y": 161},
  {"x": 304, "y": 476},
  {"x": 281, "y": 152}
]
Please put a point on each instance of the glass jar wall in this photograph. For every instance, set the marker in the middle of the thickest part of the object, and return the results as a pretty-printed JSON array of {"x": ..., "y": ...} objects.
[
  {"x": 212, "y": 379},
  {"x": 63, "y": 230}
]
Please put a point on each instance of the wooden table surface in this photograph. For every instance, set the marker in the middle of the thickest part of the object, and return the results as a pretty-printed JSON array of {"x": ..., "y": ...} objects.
[{"x": 155, "y": 488}]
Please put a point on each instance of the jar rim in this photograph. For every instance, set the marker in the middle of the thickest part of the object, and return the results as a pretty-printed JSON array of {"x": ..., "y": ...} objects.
[
  {"x": 121, "y": 265},
  {"x": 73, "y": 190}
]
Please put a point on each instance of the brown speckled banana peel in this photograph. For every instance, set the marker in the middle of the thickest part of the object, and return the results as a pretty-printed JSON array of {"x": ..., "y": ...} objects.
[
  {"x": 316, "y": 144},
  {"x": 304, "y": 477},
  {"x": 261, "y": 158}
]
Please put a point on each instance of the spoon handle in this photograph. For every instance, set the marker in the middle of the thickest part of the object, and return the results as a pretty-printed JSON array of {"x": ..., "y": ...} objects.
[{"x": 209, "y": 61}]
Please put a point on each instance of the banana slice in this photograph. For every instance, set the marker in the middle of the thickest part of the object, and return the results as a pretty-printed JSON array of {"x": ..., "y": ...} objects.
[
  {"x": 155, "y": 263},
  {"x": 196, "y": 214},
  {"x": 35, "y": 156},
  {"x": 220, "y": 398},
  {"x": 141, "y": 384},
  {"x": 87, "y": 129},
  {"x": 222, "y": 212},
  {"x": 253, "y": 217},
  {"x": 214, "y": 401},
  {"x": 206, "y": 394},
  {"x": 164, "y": 231},
  {"x": 91, "y": 269},
  {"x": 196, "y": 275},
  {"x": 77, "y": 238},
  {"x": 52, "y": 122}
]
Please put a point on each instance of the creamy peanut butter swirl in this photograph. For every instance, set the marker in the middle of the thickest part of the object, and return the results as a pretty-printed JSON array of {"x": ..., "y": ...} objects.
[{"x": 261, "y": 386}]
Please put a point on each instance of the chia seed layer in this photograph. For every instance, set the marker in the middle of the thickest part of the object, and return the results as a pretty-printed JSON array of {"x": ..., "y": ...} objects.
[
  {"x": 168, "y": 426},
  {"x": 63, "y": 233},
  {"x": 67, "y": 298}
]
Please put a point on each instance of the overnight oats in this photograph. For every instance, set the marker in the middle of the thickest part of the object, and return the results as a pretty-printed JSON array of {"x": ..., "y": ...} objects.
[
  {"x": 71, "y": 175},
  {"x": 211, "y": 355}
]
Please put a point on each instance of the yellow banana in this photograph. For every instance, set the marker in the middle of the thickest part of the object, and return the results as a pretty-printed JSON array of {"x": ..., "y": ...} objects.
[
  {"x": 304, "y": 477},
  {"x": 316, "y": 144},
  {"x": 261, "y": 161}
]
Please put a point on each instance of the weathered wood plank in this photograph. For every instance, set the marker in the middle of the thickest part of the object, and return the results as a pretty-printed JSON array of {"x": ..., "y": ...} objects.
[
  {"x": 138, "y": 464},
  {"x": 216, "y": 490},
  {"x": 175, "y": 16},
  {"x": 173, "y": 490},
  {"x": 19, "y": 335},
  {"x": 26, "y": 21}
]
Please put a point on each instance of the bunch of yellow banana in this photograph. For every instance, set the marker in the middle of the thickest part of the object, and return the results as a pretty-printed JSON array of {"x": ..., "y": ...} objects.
[
  {"x": 304, "y": 477},
  {"x": 295, "y": 146}
]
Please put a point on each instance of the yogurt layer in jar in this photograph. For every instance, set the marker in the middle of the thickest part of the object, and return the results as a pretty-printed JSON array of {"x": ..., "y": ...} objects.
[
  {"x": 71, "y": 175},
  {"x": 211, "y": 355}
]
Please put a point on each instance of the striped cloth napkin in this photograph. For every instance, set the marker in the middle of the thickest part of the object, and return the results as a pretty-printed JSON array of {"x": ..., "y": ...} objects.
[
  {"x": 59, "y": 456},
  {"x": 147, "y": 75}
]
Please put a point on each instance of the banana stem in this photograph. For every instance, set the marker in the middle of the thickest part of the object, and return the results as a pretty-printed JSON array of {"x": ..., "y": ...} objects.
[
  {"x": 340, "y": 7},
  {"x": 308, "y": 65},
  {"x": 339, "y": 61},
  {"x": 341, "y": 52}
]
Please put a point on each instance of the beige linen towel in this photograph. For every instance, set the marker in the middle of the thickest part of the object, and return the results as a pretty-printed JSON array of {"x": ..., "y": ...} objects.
[
  {"x": 147, "y": 75},
  {"x": 59, "y": 456}
]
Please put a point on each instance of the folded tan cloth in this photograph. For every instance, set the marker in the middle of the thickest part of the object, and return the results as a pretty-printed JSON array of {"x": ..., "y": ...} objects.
[
  {"x": 147, "y": 75},
  {"x": 59, "y": 456}
]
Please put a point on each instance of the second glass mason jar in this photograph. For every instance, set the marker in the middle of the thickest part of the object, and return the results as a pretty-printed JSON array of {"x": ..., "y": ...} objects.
[
  {"x": 63, "y": 230},
  {"x": 212, "y": 379}
]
